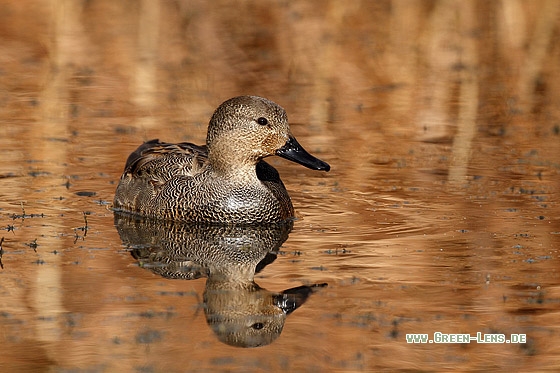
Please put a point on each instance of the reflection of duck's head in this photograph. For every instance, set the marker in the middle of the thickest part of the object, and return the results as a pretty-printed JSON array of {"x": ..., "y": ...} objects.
[{"x": 246, "y": 315}]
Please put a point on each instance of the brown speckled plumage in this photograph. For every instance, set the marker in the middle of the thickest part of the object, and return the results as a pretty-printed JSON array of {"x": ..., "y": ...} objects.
[{"x": 225, "y": 181}]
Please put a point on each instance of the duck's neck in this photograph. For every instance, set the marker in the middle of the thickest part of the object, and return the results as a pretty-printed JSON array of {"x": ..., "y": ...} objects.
[
  {"x": 232, "y": 162},
  {"x": 233, "y": 168}
]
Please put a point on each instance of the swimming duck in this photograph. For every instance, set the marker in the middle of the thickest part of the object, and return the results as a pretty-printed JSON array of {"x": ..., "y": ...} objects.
[{"x": 226, "y": 180}]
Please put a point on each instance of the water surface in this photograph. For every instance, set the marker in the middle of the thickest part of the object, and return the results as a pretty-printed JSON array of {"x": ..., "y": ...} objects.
[{"x": 440, "y": 213}]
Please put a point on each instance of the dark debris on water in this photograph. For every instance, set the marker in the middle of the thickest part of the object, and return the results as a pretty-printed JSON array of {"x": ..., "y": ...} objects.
[{"x": 1, "y": 252}]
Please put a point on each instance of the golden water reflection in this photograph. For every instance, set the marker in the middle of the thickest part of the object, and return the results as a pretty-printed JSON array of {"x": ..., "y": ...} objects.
[{"x": 440, "y": 121}]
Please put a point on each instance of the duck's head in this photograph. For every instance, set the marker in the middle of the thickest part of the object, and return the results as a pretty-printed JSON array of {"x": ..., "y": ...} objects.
[{"x": 245, "y": 129}]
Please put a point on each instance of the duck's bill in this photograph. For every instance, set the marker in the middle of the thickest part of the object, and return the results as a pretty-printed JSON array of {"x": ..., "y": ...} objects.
[{"x": 294, "y": 152}]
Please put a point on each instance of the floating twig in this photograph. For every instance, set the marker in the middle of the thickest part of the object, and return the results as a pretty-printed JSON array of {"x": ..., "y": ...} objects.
[
  {"x": 86, "y": 224},
  {"x": 1, "y": 252},
  {"x": 24, "y": 215},
  {"x": 84, "y": 229}
]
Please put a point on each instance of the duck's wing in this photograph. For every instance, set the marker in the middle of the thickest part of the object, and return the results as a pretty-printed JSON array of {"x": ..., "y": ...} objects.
[{"x": 159, "y": 161}]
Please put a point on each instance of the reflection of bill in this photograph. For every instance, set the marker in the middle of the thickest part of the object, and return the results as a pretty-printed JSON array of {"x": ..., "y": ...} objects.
[{"x": 238, "y": 310}]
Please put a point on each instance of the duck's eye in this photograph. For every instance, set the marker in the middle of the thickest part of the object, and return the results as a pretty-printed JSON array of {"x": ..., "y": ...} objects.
[
  {"x": 262, "y": 121},
  {"x": 257, "y": 325}
]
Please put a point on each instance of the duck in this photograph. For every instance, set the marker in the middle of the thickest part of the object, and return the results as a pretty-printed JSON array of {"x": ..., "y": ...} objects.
[{"x": 225, "y": 181}]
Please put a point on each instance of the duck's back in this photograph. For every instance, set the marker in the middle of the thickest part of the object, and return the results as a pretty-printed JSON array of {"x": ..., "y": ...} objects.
[
  {"x": 162, "y": 161},
  {"x": 152, "y": 165}
]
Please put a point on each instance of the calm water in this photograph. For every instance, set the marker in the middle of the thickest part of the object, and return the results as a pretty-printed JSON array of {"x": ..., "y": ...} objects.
[{"x": 440, "y": 214}]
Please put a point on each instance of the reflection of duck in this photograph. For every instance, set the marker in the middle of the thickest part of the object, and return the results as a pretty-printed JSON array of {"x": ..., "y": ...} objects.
[
  {"x": 225, "y": 181},
  {"x": 239, "y": 311}
]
